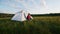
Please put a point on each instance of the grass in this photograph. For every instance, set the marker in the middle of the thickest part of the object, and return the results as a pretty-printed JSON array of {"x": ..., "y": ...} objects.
[{"x": 39, "y": 25}]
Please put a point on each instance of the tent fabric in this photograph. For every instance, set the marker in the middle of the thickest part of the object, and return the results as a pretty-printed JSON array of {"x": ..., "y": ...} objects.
[{"x": 20, "y": 16}]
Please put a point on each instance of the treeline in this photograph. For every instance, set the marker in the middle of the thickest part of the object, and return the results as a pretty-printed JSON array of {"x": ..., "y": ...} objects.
[
  {"x": 51, "y": 14},
  {"x": 11, "y": 15},
  {"x": 5, "y": 15}
]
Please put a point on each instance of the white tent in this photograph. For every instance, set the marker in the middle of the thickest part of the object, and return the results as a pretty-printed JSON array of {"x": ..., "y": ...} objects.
[{"x": 20, "y": 16}]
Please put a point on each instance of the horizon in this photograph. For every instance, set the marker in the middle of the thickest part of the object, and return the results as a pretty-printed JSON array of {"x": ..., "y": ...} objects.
[{"x": 32, "y": 6}]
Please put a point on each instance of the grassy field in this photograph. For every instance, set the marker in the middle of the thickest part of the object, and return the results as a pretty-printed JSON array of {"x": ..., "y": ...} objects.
[{"x": 39, "y": 25}]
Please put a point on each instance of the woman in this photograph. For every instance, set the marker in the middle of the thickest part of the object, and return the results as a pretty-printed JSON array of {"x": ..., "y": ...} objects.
[{"x": 28, "y": 16}]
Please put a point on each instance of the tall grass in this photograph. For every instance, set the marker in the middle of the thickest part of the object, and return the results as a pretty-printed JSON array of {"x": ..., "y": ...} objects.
[{"x": 39, "y": 25}]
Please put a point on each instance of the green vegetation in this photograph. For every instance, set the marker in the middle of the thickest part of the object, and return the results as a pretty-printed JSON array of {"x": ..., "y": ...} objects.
[{"x": 39, "y": 25}]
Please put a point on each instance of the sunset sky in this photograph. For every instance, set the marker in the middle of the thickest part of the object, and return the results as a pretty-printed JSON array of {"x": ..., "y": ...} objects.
[{"x": 32, "y": 6}]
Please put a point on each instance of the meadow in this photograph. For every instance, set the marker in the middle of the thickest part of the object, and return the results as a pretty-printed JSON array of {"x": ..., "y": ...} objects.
[{"x": 39, "y": 25}]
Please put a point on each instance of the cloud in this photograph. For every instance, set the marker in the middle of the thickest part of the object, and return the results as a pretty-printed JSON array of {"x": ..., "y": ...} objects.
[
  {"x": 30, "y": 5},
  {"x": 34, "y": 6},
  {"x": 16, "y": 3},
  {"x": 6, "y": 11},
  {"x": 11, "y": 4},
  {"x": 26, "y": 4}
]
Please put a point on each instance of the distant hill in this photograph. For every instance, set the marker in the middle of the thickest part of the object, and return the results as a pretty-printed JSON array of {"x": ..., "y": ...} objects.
[
  {"x": 51, "y": 14},
  {"x": 11, "y": 15},
  {"x": 5, "y": 15}
]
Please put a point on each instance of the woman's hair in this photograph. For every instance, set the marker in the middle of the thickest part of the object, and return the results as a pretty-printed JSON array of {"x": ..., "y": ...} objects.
[{"x": 28, "y": 13}]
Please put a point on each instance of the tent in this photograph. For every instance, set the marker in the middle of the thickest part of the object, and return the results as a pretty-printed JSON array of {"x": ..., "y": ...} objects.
[{"x": 20, "y": 16}]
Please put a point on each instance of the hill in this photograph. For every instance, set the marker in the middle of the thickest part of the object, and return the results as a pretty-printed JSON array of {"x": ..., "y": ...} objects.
[
  {"x": 2, "y": 15},
  {"x": 10, "y": 15}
]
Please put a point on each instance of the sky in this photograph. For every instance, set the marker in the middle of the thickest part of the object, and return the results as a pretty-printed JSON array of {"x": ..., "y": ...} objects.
[{"x": 32, "y": 6}]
